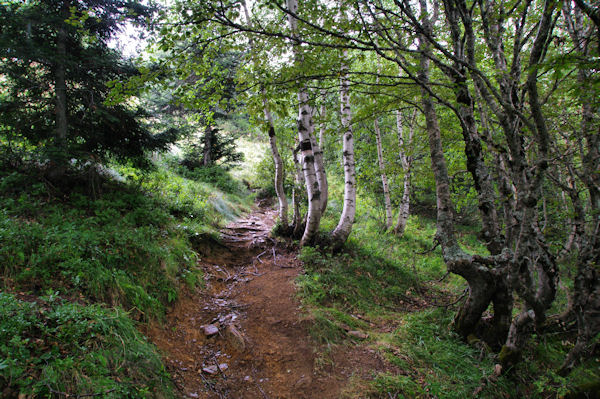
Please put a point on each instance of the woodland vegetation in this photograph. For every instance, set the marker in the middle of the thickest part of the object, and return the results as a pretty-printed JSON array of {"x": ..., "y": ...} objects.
[{"x": 400, "y": 137}]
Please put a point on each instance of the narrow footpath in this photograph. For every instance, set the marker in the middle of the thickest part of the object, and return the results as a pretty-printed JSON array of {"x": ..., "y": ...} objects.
[{"x": 244, "y": 334}]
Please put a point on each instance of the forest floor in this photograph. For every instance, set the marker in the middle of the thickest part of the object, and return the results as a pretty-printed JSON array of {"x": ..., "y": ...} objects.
[{"x": 245, "y": 334}]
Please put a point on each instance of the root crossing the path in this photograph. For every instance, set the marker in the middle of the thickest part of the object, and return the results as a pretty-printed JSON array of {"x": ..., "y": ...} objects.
[{"x": 244, "y": 335}]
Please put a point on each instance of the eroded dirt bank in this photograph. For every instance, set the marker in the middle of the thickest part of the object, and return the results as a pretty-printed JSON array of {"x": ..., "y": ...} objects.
[{"x": 244, "y": 335}]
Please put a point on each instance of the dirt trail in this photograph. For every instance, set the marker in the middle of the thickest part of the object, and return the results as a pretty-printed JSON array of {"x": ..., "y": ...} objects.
[{"x": 262, "y": 337}]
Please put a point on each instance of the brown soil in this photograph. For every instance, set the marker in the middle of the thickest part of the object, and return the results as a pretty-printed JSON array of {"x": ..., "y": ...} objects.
[{"x": 250, "y": 286}]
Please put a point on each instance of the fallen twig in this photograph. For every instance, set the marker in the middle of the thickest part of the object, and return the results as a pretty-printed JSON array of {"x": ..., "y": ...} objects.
[
  {"x": 436, "y": 244},
  {"x": 261, "y": 390},
  {"x": 259, "y": 255},
  {"x": 447, "y": 305},
  {"x": 219, "y": 366},
  {"x": 264, "y": 395}
]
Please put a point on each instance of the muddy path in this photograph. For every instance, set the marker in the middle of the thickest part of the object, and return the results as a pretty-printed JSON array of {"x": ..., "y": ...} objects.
[{"x": 244, "y": 334}]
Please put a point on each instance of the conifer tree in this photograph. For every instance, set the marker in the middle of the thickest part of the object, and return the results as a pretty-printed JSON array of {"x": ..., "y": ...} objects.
[{"x": 56, "y": 61}]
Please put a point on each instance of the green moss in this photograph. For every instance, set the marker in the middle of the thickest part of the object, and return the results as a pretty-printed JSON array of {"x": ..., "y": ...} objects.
[
  {"x": 508, "y": 357},
  {"x": 473, "y": 340}
]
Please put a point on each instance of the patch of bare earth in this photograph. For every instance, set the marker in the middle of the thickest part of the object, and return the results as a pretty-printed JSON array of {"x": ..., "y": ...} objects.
[{"x": 243, "y": 335}]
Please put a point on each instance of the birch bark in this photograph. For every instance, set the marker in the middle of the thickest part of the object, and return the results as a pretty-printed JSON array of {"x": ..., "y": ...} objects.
[
  {"x": 406, "y": 160},
  {"x": 319, "y": 162},
  {"x": 344, "y": 228},
  {"x": 279, "y": 190},
  {"x": 384, "y": 181},
  {"x": 279, "y": 169},
  {"x": 305, "y": 130}
]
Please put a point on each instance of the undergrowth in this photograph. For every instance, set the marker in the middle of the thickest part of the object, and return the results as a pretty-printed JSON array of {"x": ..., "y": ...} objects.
[
  {"x": 118, "y": 253},
  {"x": 400, "y": 285},
  {"x": 50, "y": 347}
]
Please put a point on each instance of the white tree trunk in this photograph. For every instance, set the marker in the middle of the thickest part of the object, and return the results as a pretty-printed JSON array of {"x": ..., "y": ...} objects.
[
  {"x": 406, "y": 160},
  {"x": 279, "y": 190},
  {"x": 299, "y": 185},
  {"x": 322, "y": 124},
  {"x": 320, "y": 172},
  {"x": 279, "y": 170},
  {"x": 319, "y": 163},
  {"x": 305, "y": 131},
  {"x": 344, "y": 228},
  {"x": 384, "y": 180}
]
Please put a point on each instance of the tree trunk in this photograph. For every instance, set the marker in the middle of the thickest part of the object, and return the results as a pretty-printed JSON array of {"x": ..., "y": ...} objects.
[
  {"x": 208, "y": 142},
  {"x": 305, "y": 131},
  {"x": 384, "y": 181},
  {"x": 60, "y": 90},
  {"x": 406, "y": 160},
  {"x": 532, "y": 254},
  {"x": 322, "y": 124},
  {"x": 481, "y": 280},
  {"x": 320, "y": 171},
  {"x": 298, "y": 186},
  {"x": 585, "y": 298},
  {"x": 279, "y": 189},
  {"x": 279, "y": 169},
  {"x": 486, "y": 195},
  {"x": 342, "y": 231}
]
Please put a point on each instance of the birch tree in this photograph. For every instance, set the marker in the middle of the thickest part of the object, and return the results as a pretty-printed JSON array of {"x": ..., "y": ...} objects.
[
  {"x": 279, "y": 171},
  {"x": 305, "y": 131},
  {"x": 344, "y": 227},
  {"x": 384, "y": 180},
  {"x": 406, "y": 159}
]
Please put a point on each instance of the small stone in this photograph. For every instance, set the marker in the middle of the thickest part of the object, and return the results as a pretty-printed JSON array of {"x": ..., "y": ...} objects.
[
  {"x": 248, "y": 379},
  {"x": 303, "y": 382},
  {"x": 210, "y": 369},
  {"x": 497, "y": 370},
  {"x": 358, "y": 334},
  {"x": 193, "y": 395},
  {"x": 235, "y": 338},
  {"x": 210, "y": 330},
  {"x": 213, "y": 369}
]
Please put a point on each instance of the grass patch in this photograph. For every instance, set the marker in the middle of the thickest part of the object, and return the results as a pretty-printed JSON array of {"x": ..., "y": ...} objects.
[
  {"x": 130, "y": 246},
  {"x": 50, "y": 346},
  {"x": 378, "y": 274},
  {"x": 436, "y": 362}
]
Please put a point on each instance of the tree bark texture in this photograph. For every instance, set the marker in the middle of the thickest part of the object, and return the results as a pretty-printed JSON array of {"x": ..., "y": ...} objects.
[
  {"x": 321, "y": 172},
  {"x": 279, "y": 189},
  {"x": 279, "y": 167},
  {"x": 208, "y": 140},
  {"x": 406, "y": 160},
  {"x": 483, "y": 285},
  {"x": 585, "y": 298},
  {"x": 305, "y": 130},
  {"x": 384, "y": 181},
  {"x": 344, "y": 228}
]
